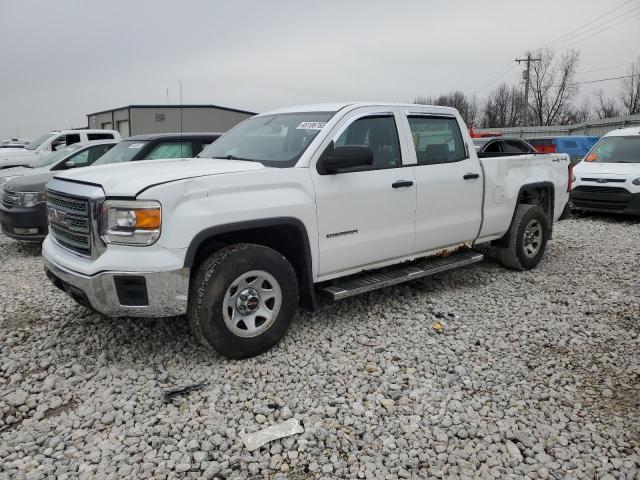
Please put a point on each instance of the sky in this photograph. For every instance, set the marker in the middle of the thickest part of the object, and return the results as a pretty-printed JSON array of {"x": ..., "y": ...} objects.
[{"x": 62, "y": 60}]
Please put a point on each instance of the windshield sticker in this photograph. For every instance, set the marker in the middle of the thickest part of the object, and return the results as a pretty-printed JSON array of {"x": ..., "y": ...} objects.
[
  {"x": 311, "y": 126},
  {"x": 136, "y": 145}
]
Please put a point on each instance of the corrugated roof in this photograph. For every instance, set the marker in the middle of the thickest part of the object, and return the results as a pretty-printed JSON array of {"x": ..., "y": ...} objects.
[{"x": 217, "y": 107}]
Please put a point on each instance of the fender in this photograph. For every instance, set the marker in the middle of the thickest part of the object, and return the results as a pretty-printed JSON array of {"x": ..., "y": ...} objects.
[
  {"x": 548, "y": 185},
  {"x": 307, "y": 294}
]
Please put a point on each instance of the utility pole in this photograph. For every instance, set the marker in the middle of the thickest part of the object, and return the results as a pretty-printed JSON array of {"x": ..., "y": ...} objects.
[{"x": 525, "y": 74}]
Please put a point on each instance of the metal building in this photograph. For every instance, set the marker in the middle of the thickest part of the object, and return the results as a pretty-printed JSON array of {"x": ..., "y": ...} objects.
[{"x": 141, "y": 119}]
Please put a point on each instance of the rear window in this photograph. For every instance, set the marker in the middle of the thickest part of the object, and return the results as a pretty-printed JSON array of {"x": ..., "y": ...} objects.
[
  {"x": 100, "y": 136},
  {"x": 616, "y": 150},
  {"x": 436, "y": 139}
]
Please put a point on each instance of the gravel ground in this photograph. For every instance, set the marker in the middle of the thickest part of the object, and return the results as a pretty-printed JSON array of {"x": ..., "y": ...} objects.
[{"x": 482, "y": 372}]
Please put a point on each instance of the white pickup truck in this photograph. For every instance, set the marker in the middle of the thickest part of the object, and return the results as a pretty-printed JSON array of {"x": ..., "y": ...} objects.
[
  {"x": 51, "y": 142},
  {"x": 336, "y": 199}
]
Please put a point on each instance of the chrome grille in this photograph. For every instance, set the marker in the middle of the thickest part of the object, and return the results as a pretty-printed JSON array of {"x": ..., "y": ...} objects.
[
  {"x": 70, "y": 221},
  {"x": 68, "y": 204},
  {"x": 9, "y": 198}
]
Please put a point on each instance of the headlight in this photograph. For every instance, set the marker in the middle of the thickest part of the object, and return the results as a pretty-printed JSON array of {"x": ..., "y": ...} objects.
[
  {"x": 636, "y": 181},
  {"x": 131, "y": 222},
  {"x": 30, "y": 199}
]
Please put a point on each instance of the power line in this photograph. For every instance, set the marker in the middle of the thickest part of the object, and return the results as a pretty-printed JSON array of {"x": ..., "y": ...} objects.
[
  {"x": 607, "y": 68},
  {"x": 598, "y": 80},
  {"x": 586, "y": 24},
  {"x": 593, "y": 34},
  {"x": 496, "y": 77}
]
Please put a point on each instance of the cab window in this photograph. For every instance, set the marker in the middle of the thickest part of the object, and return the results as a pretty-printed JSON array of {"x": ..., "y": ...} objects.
[
  {"x": 380, "y": 134},
  {"x": 436, "y": 139},
  {"x": 64, "y": 140}
]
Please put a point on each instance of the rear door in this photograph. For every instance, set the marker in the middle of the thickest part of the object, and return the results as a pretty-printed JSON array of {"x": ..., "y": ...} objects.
[
  {"x": 449, "y": 183},
  {"x": 365, "y": 216}
]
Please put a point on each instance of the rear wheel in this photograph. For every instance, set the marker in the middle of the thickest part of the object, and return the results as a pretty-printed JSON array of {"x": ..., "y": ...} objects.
[
  {"x": 526, "y": 239},
  {"x": 242, "y": 300}
]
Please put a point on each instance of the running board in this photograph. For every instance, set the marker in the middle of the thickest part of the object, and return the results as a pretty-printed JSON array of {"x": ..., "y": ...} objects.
[{"x": 368, "y": 281}]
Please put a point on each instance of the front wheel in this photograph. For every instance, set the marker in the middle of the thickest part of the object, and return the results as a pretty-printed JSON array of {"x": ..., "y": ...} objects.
[
  {"x": 242, "y": 300},
  {"x": 526, "y": 239}
]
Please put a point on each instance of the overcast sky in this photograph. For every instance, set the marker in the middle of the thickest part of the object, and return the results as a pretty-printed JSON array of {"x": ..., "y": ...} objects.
[{"x": 61, "y": 60}]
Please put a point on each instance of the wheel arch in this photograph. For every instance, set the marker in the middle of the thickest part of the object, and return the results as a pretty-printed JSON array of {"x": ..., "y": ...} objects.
[
  {"x": 286, "y": 235},
  {"x": 536, "y": 193}
]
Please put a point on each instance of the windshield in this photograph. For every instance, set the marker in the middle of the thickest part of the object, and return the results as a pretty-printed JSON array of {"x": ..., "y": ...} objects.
[
  {"x": 616, "y": 150},
  {"x": 53, "y": 157},
  {"x": 39, "y": 141},
  {"x": 122, "y": 152},
  {"x": 275, "y": 140}
]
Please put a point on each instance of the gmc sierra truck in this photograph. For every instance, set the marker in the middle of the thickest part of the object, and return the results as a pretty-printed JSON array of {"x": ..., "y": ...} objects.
[{"x": 334, "y": 199}]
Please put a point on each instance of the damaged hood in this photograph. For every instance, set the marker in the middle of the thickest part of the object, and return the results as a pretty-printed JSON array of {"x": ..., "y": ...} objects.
[{"x": 128, "y": 179}]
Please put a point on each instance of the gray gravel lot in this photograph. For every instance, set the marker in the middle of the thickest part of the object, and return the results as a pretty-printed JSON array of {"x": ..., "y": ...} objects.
[{"x": 532, "y": 374}]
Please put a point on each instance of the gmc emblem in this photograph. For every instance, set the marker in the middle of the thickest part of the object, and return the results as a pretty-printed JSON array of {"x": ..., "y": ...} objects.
[{"x": 57, "y": 216}]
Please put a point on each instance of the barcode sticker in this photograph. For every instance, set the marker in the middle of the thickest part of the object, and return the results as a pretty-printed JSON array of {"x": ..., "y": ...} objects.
[{"x": 311, "y": 126}]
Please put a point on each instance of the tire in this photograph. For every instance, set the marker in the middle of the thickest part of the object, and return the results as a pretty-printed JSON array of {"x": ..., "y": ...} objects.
[
  {"x": 242, "y": 300},
  {"x": 516, "y": 255}
]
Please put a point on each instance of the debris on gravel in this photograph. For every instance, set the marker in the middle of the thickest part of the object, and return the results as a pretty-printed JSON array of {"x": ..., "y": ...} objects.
[{"x": 530, "y": 374}]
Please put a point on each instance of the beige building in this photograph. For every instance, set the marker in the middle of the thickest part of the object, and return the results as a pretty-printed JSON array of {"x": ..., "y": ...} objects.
[{"x": 141, "y": 119}]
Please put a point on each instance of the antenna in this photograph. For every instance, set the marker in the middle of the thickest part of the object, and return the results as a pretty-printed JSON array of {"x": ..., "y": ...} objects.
[
  {"x": 180, "y": 83},
  {"x": 167, "y": 95}
]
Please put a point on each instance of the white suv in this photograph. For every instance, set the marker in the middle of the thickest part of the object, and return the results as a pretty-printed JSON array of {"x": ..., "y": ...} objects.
[
  {"x": 50, "y": 142},
  {"x": 608, "y": 179}
]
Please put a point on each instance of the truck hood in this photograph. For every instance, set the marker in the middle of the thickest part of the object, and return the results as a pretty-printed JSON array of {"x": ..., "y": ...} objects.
[
  {"x": 19, "y": 156},
  {"x": 15, "y": 171},
  {"x": 128, "y": 179},
  {"x": 31, "y": 183},
  {"x": 601, "y": 168}
]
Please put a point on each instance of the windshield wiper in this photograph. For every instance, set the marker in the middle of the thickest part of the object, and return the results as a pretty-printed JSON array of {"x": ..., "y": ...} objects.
[{"x": 233, "y": 157}]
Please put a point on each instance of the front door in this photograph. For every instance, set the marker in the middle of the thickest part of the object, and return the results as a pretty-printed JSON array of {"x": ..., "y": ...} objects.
[{"x": 362, "y": 217}]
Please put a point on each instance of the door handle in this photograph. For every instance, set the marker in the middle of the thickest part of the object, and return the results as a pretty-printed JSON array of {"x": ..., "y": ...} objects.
[
  {"x": 402, "y": 183},
  {"x": 469, "y": 176}
]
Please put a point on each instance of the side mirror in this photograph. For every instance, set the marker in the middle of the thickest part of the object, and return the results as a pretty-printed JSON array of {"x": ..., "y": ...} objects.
[
  {"x": 337, "y": 159},
  {"x": 69, "y": 164}
]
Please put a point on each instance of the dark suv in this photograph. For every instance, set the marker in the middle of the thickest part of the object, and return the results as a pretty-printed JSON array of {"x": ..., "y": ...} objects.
[{"x": 23, "y": 213}]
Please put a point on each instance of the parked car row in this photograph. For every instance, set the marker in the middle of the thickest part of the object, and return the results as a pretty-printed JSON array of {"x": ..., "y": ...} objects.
[{"x": 23, "y": 213}]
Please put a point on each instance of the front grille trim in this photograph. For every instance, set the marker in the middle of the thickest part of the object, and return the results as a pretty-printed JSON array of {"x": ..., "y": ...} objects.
[
  {"x": 72, "y": 215},
  {"x": 9, "y": 198}
]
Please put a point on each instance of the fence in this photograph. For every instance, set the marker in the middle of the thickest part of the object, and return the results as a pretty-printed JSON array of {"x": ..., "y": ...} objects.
[{"x": 592, "y": 127}]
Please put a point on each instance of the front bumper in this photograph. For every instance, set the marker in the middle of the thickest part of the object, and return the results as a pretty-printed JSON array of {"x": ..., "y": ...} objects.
[
  {"x": 605, "y": 199},
  {"x": 24, "y": 223},
  {"x": 125, "y": 294}
]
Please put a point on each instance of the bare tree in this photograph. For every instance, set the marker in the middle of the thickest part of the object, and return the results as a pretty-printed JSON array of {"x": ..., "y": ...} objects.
[
  {"x": 605, "y": 107},
  {"x": 630, "y": 96},
  {"x": 467, "y": 106},
  {"x": 583, "y": 112},
  {"x": 553, "y": 87},
  {"x": 502, "y": 107}
]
